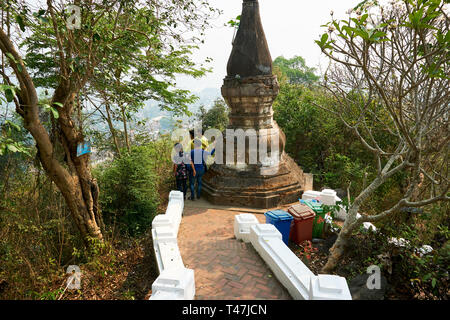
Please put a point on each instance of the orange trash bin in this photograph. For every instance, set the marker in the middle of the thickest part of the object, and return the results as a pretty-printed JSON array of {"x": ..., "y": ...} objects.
[{"x": 302, "y": 225}]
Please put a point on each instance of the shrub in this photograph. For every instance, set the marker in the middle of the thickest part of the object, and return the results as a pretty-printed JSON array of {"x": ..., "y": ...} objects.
[
  {"x": 129, "y": 190},
  {"x": 37, "y": 236},
  {"x": 411, "y": 274}
]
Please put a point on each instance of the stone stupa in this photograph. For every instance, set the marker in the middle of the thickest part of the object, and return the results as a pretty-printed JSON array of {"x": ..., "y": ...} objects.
[{"x": 249, "y": 90}]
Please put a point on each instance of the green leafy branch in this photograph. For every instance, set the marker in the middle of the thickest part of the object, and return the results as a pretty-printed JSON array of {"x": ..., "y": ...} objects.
[
  {"x": 48, "y": 108},
  {"x": 7, "y": 144},
  {"x": 234, "y": 23},
  {"x": 9, "y": 92}
]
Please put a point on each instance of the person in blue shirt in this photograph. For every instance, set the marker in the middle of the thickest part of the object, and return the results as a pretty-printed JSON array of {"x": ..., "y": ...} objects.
[{"x": 198, "y": 165}]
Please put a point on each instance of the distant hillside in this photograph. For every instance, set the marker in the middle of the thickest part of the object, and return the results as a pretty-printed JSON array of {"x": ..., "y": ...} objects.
[
  {"x": 163, "y": 119},
  {"x": 207, "y": 97}
]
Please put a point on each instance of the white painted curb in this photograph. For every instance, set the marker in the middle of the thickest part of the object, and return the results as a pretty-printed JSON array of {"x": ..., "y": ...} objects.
[
  {"x": 328, "y": 197},
  {"x": 329, "y": 287},
  {"x": 175, "y": 282},
  {"x": 242, "y": 224}
]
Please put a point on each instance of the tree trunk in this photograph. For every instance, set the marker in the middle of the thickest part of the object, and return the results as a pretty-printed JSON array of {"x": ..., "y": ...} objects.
[
  {"x": 125, "y": 130},
  {"x": 83, "y": 196},
  {"x": 337, "y": 250},
  {"x": 75, "y": 182},
  {"x": 79, "y": 114},
  {"x": 350, "y": 224},
  {"x": 74, "y": 185}
]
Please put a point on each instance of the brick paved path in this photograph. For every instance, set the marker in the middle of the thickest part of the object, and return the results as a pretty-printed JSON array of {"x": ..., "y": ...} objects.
[{"x": 225, "y": 268}]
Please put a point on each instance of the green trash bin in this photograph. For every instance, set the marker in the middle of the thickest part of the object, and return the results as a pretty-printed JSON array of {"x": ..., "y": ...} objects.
[{"x": 319, "y": 220}]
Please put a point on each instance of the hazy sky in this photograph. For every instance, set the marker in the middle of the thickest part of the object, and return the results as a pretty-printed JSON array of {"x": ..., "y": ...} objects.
[{"x": 291, "y": 26}]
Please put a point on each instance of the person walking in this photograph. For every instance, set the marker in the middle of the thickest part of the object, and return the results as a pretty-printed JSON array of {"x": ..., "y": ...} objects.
[
  {"x": 198, "y": 165},
  {"x": 203, "y": 139},
  {"x": 180, "y": 169}
]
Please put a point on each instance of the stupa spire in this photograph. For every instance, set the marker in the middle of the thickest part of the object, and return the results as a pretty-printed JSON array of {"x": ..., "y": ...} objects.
[{"x": 250, "y": 55}]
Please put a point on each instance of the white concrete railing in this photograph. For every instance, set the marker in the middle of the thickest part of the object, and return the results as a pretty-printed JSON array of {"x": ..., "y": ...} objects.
[
  {"x": 300, "y": 282},
  {"x": 175, "y": 282}
]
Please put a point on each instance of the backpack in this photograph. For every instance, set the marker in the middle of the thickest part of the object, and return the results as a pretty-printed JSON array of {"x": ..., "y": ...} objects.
[{"x": 181, "y": 172}]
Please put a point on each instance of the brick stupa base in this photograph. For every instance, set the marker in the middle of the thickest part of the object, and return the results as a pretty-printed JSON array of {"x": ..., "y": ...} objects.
[{"x": 223, "y": 185}]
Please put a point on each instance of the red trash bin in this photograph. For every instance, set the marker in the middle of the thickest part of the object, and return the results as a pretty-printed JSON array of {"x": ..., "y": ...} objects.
[{"x": 302, "y": 225}]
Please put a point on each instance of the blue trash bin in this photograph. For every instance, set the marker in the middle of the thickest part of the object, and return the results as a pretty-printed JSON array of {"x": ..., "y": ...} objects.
[{"x": 282, "y": 221}]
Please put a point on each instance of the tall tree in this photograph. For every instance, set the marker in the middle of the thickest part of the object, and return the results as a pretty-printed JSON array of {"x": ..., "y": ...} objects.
[
  {"x": 76, "y": 54},
  {"x": 390, "y": 67},
  {"x": 295, "y": 70},
  {"x": 151, "y": 72},
  {"x": 216, "y": 117}
]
